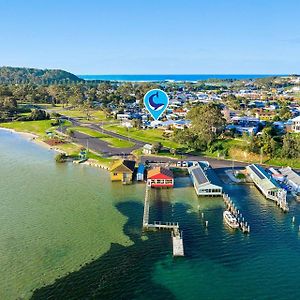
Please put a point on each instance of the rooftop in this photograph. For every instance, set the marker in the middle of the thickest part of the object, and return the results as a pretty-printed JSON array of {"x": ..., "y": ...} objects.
[{"x": 160, "y": 170}]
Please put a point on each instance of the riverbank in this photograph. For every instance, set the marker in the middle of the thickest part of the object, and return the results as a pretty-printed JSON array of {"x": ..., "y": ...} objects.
[
  {"x": 38, "y": 136},
  {"x": 34, "y": 138}
]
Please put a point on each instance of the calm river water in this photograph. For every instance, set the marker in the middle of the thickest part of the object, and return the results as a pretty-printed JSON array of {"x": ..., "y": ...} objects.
[{"x": 67, "y": 232}]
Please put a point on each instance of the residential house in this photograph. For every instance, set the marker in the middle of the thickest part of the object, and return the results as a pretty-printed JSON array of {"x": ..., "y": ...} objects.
[
  {"x": 122, "y": 170},
  {"x": 148, "y": 149},
  {"x": 265, "y": 115},
  {"x": 160, "y": 177},
  {"x": 295, "y": 126},
  {"x": 123, "y": 117}
]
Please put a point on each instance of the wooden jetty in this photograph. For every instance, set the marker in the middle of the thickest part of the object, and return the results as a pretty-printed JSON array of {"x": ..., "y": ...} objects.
[
  {"x": 243, "y": 225},
  {"x": 177, "y": 243},
  {"x": 177, "y": 239}
]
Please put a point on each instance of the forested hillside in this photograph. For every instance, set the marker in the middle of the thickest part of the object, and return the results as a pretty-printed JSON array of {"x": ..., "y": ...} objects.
[{"x": 36, "y": 76}]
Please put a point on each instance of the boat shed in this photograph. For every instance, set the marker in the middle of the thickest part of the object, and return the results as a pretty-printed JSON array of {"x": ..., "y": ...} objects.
[
  {"x": 205, "y": 180},
  {"x": 160, "y": 177},
  {"x": 122, "y": 170},
  {"x": 292, "y": 178},
  {"x": 140, "y": 172},
  {"x": 267, "y": 185}
]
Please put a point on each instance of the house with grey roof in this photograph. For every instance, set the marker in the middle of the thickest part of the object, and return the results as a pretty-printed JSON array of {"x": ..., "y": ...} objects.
[{"x": 205, "y": 181}]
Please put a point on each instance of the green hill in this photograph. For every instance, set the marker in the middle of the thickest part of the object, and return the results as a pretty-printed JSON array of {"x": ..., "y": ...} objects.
[{"x": 37, "y": 76}]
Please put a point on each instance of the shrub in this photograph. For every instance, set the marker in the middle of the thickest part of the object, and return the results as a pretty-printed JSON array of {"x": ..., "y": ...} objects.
[
  {"x": 240, "y": 176},
  {"x": 60, "y": 158}
]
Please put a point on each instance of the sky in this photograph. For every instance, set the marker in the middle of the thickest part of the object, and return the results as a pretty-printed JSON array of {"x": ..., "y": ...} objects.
[{"x": 152, "y": 36}]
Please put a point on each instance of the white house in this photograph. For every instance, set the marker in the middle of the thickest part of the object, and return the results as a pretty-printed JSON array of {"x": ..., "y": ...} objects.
[
  {"x": 123, "y": 116},
  {"x": 147, "y": 149},
  {"x": 296, "y": 124}
]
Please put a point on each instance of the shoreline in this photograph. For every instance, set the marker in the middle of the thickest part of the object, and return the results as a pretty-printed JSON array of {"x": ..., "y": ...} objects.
[{"x": 32, "y": 138}]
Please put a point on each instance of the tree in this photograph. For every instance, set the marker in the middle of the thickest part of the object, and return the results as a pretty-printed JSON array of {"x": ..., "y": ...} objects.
[
  {"x": 285, "y": 113},
  {"x": 38, "y": 114},
  {"x": 291, "y": 146},
  {"x": 60, "y": 158},
  {"x": 206, "y": 121},
  {"x": 232, "y": 101},
  {"x": 137, "y": 123},
  {"x": 157, "y": 147},
  {"x": 173, "y": 151}
]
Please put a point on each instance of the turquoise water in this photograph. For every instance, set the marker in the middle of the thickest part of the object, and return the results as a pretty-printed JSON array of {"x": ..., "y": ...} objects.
[
  {"x": 67, "y": 232},
  {"x": 172, "y": 77}
]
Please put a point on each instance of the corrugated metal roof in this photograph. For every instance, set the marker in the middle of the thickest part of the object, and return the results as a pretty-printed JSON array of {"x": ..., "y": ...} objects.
[
  {"x": 199, "y": 175},
  {"x": 291, "y": 175},
  {"x": 266, "y": 180},
  {"x": 160, "y": 170},
  {"x": 205, "y": 175}
]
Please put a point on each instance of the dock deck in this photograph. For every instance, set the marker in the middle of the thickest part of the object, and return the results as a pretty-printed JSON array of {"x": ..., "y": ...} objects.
[
  {"x": 244, "y": 226},
  {"x": 177, "y": 243},
  {"x": 177, "y": 240}
]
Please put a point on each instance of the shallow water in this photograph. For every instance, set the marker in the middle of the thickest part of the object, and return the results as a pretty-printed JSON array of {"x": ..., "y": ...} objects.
[{"x": 55, "y": 218}]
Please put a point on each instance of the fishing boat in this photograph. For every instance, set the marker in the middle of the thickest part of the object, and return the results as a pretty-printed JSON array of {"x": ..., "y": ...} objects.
[{"x": 230, "y": 219}]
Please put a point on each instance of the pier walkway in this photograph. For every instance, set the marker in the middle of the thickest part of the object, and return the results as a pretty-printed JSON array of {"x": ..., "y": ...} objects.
[
  {"x": 243, "y": 225},
  {"x": 177, "y": 239}
]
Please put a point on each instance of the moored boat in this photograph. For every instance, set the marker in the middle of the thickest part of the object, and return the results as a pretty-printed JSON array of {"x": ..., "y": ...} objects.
[{"x": 230, "y": 219}]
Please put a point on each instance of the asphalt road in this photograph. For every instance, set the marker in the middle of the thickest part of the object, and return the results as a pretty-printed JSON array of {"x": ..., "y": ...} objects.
[
  {"x": 215, "y": 163},
  {"x": 104, "y": 148}
]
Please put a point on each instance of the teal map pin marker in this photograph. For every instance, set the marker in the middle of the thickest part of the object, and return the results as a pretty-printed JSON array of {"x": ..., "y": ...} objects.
[{"x": 156, "y": 101}]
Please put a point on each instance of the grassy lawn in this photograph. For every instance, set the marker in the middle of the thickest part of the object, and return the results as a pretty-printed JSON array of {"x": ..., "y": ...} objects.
[
  {"x": 114, "y": 142},
  {"x": 89, "y": 132},
  {"x": 283, "y": 162},
  {"x": 148, "y": 136},
  {"x": 95, "y": 115},
  {"x": 70, "y": 148},
  {"x": 101, "y": 160},
  {"x": 36, "y": 127},
  {"x": 170, "y": 155}
]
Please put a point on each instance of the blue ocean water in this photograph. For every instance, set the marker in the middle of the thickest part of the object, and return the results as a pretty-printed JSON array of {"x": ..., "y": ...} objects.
[{"x": 173, "y": 77}]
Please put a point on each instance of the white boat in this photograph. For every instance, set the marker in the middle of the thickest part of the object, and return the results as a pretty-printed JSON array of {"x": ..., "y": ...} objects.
[{"x": 230, "y": 219}]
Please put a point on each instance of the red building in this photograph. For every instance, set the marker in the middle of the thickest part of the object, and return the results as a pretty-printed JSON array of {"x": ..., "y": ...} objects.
[{"x": 160, "y": 177}]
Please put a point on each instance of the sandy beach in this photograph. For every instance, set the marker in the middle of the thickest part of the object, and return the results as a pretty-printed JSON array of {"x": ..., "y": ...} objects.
[{"x": 32, "y": 137}]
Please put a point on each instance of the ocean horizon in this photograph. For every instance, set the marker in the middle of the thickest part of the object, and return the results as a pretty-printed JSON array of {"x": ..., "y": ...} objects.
[{"x": 173, "y": 77}]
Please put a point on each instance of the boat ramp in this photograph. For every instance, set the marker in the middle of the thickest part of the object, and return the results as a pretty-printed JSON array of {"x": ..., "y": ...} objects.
[{"x": 176, "y": 235}]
